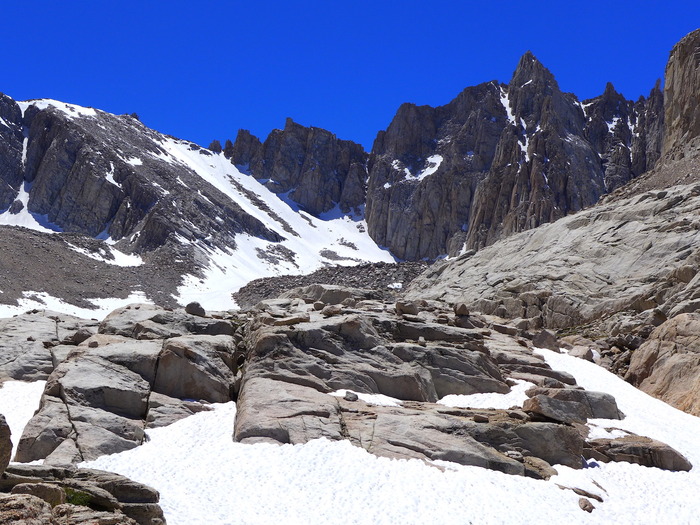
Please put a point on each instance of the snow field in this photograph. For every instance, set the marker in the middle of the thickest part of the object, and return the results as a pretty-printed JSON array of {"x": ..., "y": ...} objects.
[{"x": 204, "y": 477}]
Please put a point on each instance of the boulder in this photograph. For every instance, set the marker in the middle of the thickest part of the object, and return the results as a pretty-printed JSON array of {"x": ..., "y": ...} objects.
[
  {"x": 570, "y": 405},
  {"x": 667, "y": 365},
  {"x": 195, "y": 308},
  {"x": 641, "y": 450},
  {"x": 25, "y": 509},
  {"x": 5, "y": 444},
  {"x": 119, "y": 499},
  {"x": 546, "y": 339},
  {"x": 198, "y": 367},
  {"x": 51, "y": 494}
]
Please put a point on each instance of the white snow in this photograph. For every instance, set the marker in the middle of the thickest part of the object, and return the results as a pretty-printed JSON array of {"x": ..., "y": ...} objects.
[
  {"x": 119, "y": 258},
  {"x": 203, "y": 477},
  {"x": 371, "y": 399},
  {"x": 506, "y": 104},
  {"x": 312, "y": 237},
  {"x": 44, "y": 301},
  {"x": 110, "y": 176},
  {"x": 18, "y": 402},
  {"x": 432, "y": 164},
  {"x": 613, "y": 124},
  {"x": 134, "y": 161},
  {"x": 516, "y": 397},
  {"x": 69, "y": 109},
  {"x": 25, "y": 217}
]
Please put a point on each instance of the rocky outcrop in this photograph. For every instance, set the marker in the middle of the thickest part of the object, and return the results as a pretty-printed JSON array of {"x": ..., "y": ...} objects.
[
  {"x": 11, "y": 148},
  {"x": 146, "y": 367},
  {"x": 640, "y": 450},
  {"x": 667, "y": 365},
  {"x": 624, "y": 265},
  {"x": 311, "y": 166},
  {"x": 386, "y": 280},
  {"x": 500, "y": 159},
  {"x": 26, "y": 342},
  {"x": 71, "y": 496},
  {"x": 682, "y": 97},
  {"x": 327, "y": 374},
  {"x": 5, "y": 444}
]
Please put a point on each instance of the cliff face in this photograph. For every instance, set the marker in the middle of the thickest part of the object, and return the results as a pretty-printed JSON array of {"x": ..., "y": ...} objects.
[
  {"x": 501, "y": 159},
  {"x": 682, "y": 97},
  {"x": 86, "y": 171},
  {"x": 311, "y": 165}
]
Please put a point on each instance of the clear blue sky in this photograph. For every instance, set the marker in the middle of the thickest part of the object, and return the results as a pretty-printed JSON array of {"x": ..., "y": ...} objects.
[{"x": 201, "y": 70}]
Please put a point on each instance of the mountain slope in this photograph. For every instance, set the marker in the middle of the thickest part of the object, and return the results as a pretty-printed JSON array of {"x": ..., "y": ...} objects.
[{"x": 78, "y": 170}]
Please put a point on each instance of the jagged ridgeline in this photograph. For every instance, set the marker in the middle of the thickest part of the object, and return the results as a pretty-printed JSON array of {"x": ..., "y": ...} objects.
[{"x": 498, "y": 159}]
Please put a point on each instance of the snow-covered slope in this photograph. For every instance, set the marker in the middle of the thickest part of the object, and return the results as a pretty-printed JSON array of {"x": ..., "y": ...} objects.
[
  {"x": 309, "y": 242},
  {"x": 203, "y": 477},
  {"x": 201, "y": 227}
]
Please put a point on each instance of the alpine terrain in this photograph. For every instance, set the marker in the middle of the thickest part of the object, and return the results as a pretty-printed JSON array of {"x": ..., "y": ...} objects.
[{"x": 491, "y": 317}]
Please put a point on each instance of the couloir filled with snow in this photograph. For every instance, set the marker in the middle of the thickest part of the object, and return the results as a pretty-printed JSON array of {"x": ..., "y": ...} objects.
[
  {"x": 204, "y": 477},
  {"x": 334, "y": 238}
]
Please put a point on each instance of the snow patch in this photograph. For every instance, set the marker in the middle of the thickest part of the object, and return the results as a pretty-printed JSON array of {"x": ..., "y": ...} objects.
[
  {"x": 18, "y": 402},
  {"x": 69, "y": 109},
  {"x": 370, "y": 399},
  {"x": 516, "y": 397},
  {"x": 506, "y": 104},
  {"x": 25, "y": 218},
  {"x": 43, "y": 301},
  {"x": 119, "y": 258}
]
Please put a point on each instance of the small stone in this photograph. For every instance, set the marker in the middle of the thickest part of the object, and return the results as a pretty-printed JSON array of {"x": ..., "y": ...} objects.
[
  {"x": 514, "y": 454},
  {"x": 331, "y": 310},
  {"x": 194, "y": 308},
  {"x": 406, "y": 307},
  {"x": 319, "y": 305},
  {"x": 93, "y": 344},
  {"x": 480, "y": 418},
  {"x": 585, "y": 505},
  {"x": 350, "y": 396},
  {"x": 461, "y": 309}
]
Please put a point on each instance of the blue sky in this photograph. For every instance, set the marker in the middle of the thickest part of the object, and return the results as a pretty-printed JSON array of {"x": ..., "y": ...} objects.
[{"x": 202, "y": 70}]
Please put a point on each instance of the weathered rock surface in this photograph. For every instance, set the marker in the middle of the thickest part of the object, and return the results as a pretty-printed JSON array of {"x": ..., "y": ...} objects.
[
  {"x": 5, "y": 444},
  {"x": 682, "y": 98},
  {"x": 26, "y": 342},
  {"x": 290, "y": 372},
  {"x": 500, "y": 159},
  {"x": 599, "y": 265},
  {"x": 570, "y": 405},
  {"x": 146, "y": 367},
  {"x": 110, "y": 498},
  {"x": 319, "y": 170},
  {"x": 667, "y": 365},
  {"x": 640, "y": 450}
]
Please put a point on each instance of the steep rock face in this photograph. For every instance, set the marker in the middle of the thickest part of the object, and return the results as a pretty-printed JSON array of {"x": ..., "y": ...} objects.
[
  {"x": 501, "y": 159},
  {"x": 682, "y": 96},
  {"x": 11, "y": 142},
  {"x": 425, "y": 168},
  {"x": 90, "y": 172},
  {"x": 317, "y": 170}
]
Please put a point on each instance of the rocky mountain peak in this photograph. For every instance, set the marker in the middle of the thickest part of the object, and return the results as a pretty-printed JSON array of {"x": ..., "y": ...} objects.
[
  {"x": 682, "y": 97},
  {"x": 531, "y": 71}
]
